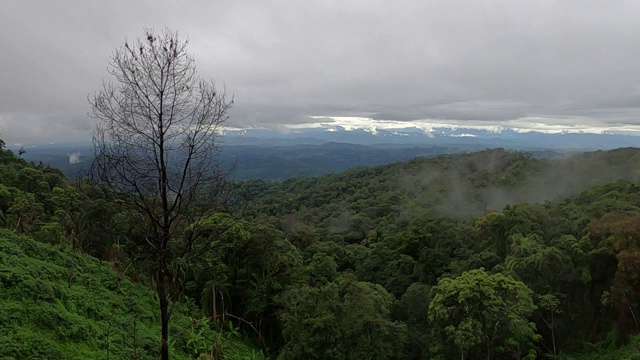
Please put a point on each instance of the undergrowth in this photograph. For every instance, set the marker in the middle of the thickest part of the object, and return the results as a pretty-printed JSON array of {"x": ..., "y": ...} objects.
[{"x": 59, "y": 304}]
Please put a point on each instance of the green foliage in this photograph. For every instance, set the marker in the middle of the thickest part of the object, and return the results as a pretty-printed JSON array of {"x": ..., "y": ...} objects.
[
  {"x": 396, "y": 225},
  {"x": 346, "y": 319},
  {"x": 58, "y": 304},
  {"x": 373, "y": 263},
  {"x": 243, "y": 270},
  {"x": 608, "y": 349},
  {"x": 412, "y": 309},
  {"x": 480, "y": 312}
]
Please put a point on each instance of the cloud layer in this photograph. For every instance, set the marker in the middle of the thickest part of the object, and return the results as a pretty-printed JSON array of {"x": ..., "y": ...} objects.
[{"x": 543, "y": 64}]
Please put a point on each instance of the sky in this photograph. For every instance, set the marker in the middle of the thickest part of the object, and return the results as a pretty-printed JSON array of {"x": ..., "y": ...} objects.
[{"x": 528, "y": 65}]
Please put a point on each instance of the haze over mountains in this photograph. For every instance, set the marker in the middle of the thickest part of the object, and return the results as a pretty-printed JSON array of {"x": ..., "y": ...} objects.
[
  {"x": 496, "y": 137},
  {"x": 272, "y": 155}
]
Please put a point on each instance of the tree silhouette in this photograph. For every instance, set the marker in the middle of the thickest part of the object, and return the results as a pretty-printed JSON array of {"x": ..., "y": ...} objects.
[{"x": 156, "y": 147}]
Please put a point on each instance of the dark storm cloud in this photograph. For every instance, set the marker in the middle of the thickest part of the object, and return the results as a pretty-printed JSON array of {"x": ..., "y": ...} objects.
[{"x": 554, "y": 63}]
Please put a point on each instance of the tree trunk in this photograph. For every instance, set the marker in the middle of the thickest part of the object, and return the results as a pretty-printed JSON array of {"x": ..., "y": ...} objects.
[
  {"x": 164, "y": 351},
  {"x": 214, "y": 311},
  {"x": 553, "y": 337},
  {"x": 164, "y": 309}
]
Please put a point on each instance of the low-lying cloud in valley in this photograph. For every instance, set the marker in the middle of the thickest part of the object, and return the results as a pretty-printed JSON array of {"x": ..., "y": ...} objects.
[{"x": 74, "y": 158}]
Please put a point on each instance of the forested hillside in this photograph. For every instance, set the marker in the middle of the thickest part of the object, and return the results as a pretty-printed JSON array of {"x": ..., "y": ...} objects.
[
  {"x": 460, "y": 186},
  {"x": 562, "y": 228},
  {"x": 487, "y": 255},
  {"x": 58, "y": 302}
]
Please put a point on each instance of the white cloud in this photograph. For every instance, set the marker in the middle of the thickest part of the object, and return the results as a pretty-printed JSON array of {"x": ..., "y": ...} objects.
[
  {"x": 463, "y": 135},
  {"x": 428, "y": 126}
]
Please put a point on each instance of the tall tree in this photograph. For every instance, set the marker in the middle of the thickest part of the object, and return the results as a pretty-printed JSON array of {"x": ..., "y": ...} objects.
[
  {"x": 478, "y": 309},
  {"x": 156, "y": 146},
  {"x": 345, "y": 319}
]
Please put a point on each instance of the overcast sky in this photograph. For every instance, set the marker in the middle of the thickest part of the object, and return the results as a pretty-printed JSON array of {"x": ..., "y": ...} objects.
[{"x": 523, "y": 64}]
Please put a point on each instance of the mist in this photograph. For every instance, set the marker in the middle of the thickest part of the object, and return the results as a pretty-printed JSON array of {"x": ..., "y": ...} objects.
[{"x": 74, "y": 158}]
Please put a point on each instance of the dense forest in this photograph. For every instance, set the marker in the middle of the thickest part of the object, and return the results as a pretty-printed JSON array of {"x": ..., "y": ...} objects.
[{"x": 486, "y": 255}]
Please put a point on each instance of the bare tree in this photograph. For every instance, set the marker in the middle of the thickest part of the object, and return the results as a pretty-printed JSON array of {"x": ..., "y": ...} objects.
[{"x": 156, "y": 146}]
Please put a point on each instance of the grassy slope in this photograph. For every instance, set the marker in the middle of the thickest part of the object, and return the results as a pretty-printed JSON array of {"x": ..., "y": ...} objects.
[{"x": 55, "y": 304}]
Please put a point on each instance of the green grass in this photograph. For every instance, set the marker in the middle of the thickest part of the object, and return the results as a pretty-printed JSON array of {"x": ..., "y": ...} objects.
[{"x": 57, "y": 304}]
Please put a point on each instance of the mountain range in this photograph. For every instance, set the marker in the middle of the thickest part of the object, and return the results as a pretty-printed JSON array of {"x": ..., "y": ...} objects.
[
  {"x": 272, "y": 155},
  {"x": 458, "y": 136}
]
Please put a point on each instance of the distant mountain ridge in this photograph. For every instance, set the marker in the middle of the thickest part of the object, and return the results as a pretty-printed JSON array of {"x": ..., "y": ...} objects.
[
  {"x": 507, "y": 138},
  {"x": 271, "y": 162},
  {"x": 271, "y": 155}
]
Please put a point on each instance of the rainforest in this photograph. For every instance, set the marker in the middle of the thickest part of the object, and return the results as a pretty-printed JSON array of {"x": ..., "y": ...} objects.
[{"x": 484, "y": 255}]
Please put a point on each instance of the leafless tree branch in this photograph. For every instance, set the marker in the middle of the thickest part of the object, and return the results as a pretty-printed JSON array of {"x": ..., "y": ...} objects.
[{"x": 157, "y": 146}]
